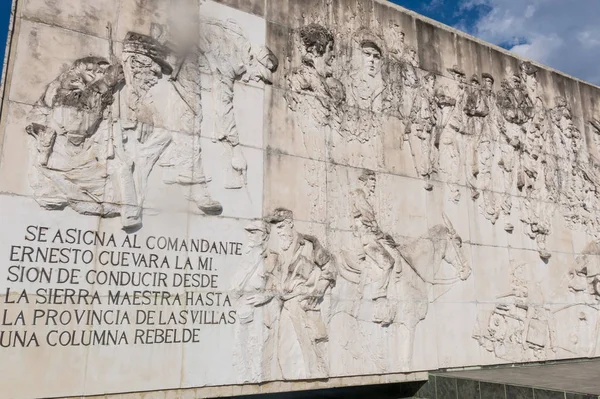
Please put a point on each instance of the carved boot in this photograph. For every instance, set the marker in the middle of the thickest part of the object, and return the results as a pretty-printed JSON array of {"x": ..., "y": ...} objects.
[
  {"x": 237, "y": 173},
  {"x": 204, "y": 201},
  {"x": 427, "y": 185},
  {"x": 131, "y": 217}
]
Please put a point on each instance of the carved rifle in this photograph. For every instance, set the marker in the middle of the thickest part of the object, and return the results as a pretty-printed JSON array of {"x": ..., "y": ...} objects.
[{"x": 113, "y": 58}]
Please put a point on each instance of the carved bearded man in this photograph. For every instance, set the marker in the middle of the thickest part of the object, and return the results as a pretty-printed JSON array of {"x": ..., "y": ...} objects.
[
  {"x": 75, "y": 166},
  {"x": 303, "y": 273},
  {"x": 153, "y": 122}
]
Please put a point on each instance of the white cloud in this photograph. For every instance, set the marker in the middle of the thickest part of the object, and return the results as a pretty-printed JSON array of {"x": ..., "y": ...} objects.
[{"x": 563, "y": 34}]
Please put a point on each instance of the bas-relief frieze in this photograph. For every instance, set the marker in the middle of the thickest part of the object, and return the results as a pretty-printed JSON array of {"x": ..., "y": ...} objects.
[{"x": 312, "y": 299}]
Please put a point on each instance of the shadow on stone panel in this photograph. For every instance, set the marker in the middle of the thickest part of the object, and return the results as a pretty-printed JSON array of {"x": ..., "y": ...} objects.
[{"x": 384, "y": 391}]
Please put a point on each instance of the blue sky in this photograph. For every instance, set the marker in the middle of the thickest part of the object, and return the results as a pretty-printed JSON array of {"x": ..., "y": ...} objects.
[
  {"x": 5, "y": 6},
  {"x": 563, "y": 34}
]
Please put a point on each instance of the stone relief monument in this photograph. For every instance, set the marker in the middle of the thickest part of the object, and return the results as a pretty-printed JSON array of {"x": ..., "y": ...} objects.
[{"x": 260, "y": 194}]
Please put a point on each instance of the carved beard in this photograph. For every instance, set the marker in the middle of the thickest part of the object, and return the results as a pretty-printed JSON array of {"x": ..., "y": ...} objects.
[
  {"x": 140, "y": 78},
  {"x": 142, "y": 82}
]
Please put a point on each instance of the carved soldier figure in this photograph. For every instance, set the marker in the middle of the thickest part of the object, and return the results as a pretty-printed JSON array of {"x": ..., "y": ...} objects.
[
  {"x": 516, "y": 108},
  {"x": 570, "y": 175},
  {"x": 320, "y": 109},
  {"x": 420, "y": 129},
  {"x": 560, "y": 143},
  {"x": 535, "y": 212},
  {"x": 398, "y": 46},
  {"x": 535, "y": 131},
  {"x": 451, "y": 127},
  {"x": 366, "y": 86},
  {"x": 376, "y": 245},
  {"x": 254, "y": 287},
  {"x": 303, "y": 273},
  {"x": 366, "y": 90},
  {"x": 231, "y": 57},
  {"x": 584, "y": 276},
  {"x": 75, "y": 166},
  {"x": 488, "y": 138},
  {"x": 251, "y": 279},
  {"x": 148, "y": 113},
  {"x": 393, "y": 76},
  {"x": 477, "y": 108},
  {"x": 410, "y": 79}
]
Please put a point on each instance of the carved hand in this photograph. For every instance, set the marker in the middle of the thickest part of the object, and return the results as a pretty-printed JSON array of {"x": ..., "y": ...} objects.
[{"x": 259, "y": 299}]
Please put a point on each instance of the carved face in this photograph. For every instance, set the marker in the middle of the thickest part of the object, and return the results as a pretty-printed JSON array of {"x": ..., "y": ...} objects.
[
  {"x": 142, "y": 72},
  {"x": 285, "y": 232},
  {"x": 497, "y": 327},
  {"x": 412, "y": 55},
  {"x": 488, "y": 84},
  {"x": 370, "y": 184},
  {"x": 429, "y": 82},
  {"x": 515, "y": 83},
  {"x": 256, "y": 239},
  {"x": 323, "y": 63},
  {"x": 577, "y": 278},
  {"x": 371, "y": 60}
]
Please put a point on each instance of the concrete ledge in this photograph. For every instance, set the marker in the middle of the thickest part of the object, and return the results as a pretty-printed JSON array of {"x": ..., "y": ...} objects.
[{"x": 270, "y": 387}]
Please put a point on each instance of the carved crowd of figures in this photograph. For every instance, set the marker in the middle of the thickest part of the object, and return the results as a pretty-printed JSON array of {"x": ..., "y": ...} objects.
[
  {"x": 508, "y": 146},
  {"x": 103, "y": 125},
  {"x": 307, "y": 294},
  {"x": 521, "y": 327}
]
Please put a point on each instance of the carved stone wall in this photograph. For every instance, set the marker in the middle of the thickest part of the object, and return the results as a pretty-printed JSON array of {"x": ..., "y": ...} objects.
[{"x": 215, "y": 194}]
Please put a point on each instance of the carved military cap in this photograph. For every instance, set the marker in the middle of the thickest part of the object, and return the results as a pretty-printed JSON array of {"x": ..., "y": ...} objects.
[
  {"x": 486, "y": 75},
  {"x": 456, "y": 70},
  {"x": 366, "y": 175},
  {"x": 366, "y": 38},
  {"x": 474, "y": 79},
  {"x": 258, "y": 225},
  {"x": 136, "y": 43},
  {"x": 279, "y": 215}
]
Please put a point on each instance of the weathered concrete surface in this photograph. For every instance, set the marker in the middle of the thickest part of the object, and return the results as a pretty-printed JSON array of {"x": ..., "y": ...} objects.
[{"x": 229, "y": 197}]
